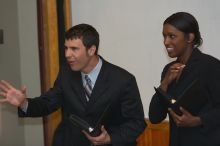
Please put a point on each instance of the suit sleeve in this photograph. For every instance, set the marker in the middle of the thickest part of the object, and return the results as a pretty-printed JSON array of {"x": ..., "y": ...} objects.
[
  {"x": 211, "y": 118},
  {"x": 157, "y": 110},
  {"x": 132, "y": 112},
  {"x": 45, "y": 104}
]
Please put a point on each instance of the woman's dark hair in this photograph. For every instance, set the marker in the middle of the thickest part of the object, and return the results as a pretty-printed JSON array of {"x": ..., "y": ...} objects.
[
  {"x": 186, "y": 23},
  {"x": 86, "y": 33}
]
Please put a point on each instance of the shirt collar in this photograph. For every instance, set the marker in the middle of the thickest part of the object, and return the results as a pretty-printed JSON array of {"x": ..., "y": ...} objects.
[{"x": 93, "y": 74}]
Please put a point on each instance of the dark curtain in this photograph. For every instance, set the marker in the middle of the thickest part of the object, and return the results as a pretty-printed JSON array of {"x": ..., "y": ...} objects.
[{"x": 61, "y": 30}]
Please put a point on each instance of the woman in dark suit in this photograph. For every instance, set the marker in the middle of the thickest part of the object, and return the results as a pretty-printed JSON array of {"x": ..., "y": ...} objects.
[{"x": 190, "y": 128}]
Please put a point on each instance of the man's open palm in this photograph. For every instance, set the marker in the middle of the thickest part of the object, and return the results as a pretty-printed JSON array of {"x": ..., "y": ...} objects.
[{"x": 11, "y": 94}]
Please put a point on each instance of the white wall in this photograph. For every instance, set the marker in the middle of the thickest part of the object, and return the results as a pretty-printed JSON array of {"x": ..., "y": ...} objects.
[
  {"x": 19, "y": 64},
  {"x": 29, "y": 59},
  {"x": 131, "y": 33}
]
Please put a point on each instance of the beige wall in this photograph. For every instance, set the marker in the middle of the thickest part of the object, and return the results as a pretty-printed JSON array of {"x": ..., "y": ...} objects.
[{"x": 19, "y": 63}]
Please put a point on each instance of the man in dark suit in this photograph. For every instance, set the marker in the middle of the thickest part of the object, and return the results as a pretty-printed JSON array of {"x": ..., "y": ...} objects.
[{"x": 85, "y": 86}]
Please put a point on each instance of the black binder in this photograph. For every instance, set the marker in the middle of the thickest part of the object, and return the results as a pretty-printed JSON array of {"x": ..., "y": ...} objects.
[
  {"x": 84, "y": 125},
  {"x": 193, "y": 98}
]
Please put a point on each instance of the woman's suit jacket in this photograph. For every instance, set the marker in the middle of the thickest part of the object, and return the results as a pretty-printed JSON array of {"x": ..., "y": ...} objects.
[
  {"x": 206, "y": 69},
  {"x": 125, "y": 120}
]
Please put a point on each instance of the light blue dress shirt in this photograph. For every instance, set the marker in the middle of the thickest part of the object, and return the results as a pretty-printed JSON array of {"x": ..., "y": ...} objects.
[{"x": 93, "y": 74}]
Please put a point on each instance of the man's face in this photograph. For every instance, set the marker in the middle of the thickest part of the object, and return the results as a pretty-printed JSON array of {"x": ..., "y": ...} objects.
[
  {"x": 77, "y": 56},
  {"x": 175, "y": 41}
]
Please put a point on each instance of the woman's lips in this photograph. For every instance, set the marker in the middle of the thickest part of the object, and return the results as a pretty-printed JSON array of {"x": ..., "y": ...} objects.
[{"x": 170, "y": 49}]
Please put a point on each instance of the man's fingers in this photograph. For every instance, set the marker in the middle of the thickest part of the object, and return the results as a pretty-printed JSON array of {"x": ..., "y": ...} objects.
[
  {"x": 97, "y": 140},
  {"x": 6, "y": 84},
  {"x": 23, "y": 89},
  {"x": 91, "y": 138},
  {"x": 3, "y": 100},
  {"x": 104, "y": 132},
  {"x": 3, "y": 87},
  {"x": 3, "y": 94},
  {"x": 94, "y": 140},
  {"x": 87, "y": 135}
]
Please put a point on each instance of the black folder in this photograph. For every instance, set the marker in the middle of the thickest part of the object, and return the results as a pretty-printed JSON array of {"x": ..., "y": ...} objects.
[
  {"x": 193, "y": 98},
  {"x": 84, "y": 125}
]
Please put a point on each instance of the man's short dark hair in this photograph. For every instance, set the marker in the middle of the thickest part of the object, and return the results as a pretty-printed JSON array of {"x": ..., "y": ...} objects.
[{"x": 86, "y": 33}]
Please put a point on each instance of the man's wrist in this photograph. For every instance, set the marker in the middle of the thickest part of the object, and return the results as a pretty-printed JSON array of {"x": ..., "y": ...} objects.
[{"x": 24, "y": 105}]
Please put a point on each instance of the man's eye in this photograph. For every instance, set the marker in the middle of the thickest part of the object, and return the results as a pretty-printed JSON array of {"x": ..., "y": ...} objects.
[{"x": 74, "y": 49}]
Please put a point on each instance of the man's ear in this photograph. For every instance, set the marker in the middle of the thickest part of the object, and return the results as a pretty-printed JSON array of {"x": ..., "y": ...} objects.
[
  {"x": 191, "y": 37},
  {"x": 92, "y": 50}
]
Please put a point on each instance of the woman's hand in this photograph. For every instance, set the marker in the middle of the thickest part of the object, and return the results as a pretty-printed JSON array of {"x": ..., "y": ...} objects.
[
  {"x": 173, "y": 73},
  {"x": 186, "y": 119}
]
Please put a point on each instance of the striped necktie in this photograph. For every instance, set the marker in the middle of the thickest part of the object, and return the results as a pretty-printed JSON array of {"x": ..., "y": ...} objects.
[{"x": 88, "y": 87}]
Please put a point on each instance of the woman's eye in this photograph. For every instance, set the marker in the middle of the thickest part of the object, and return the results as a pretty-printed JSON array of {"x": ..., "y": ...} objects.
[{"x": 172, "y": 36}]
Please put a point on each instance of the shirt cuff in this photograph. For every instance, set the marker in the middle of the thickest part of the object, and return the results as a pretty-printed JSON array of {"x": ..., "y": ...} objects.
[{"x": 24, "y": 107}]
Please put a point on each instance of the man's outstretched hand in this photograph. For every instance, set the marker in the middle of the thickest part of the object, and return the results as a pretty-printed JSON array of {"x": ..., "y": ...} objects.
[{"x": 12, "y": 95}]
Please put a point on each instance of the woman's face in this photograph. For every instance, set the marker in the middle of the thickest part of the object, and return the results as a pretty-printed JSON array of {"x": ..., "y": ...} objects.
[{"x": 175, "y": 41}]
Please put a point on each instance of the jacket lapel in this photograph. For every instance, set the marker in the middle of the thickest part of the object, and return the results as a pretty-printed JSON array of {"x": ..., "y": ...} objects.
[
  {"x": 189, "y": 73},
  {"x": 191, "y": 63},
  {"x": 101, "y": 85},
  {"x": 77, "y": 85}
]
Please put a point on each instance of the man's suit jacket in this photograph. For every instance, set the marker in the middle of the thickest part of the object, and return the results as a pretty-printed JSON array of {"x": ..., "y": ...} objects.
[
  {"x": 206, "y": 69},
  {"x": 125, "y": 120}
]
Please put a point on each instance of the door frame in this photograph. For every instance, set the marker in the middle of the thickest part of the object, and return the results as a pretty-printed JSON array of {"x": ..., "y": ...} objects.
[{"x": 48, "y": 41}]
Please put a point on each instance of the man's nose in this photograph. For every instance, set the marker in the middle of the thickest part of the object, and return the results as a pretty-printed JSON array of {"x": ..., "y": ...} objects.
[{"x": 67, "y": 53}]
